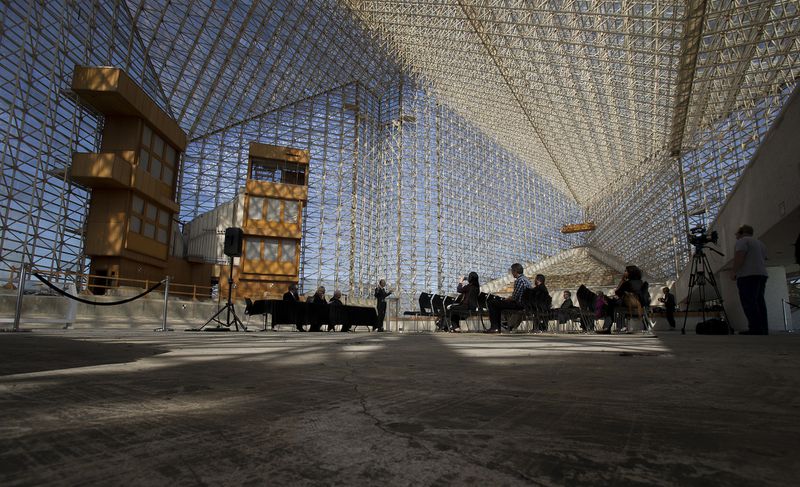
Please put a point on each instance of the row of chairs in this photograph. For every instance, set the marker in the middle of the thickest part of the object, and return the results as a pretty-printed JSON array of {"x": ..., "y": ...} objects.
[
  {"x": 535, "y": 315},
  {"x": 435, "y": 306}
]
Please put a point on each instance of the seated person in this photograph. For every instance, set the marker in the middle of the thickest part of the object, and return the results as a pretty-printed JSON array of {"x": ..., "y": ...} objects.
[
  {"x": 543, "y": 302},
  {"x": 513, "y": 302},
  {"x": 318, "y": 315},
  {"x": 586, "y": 300},
  {"x": 467, "y": 301},
  {"x": 602, "y": 310},
  {"x": 630, "y": 292},
  {"x": 291, "y": 296},
  {"x": 335, "y": 308},
  {"x": 566, "y": 311}
]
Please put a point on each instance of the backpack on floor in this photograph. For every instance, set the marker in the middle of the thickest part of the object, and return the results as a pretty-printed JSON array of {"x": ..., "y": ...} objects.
[{"x": 714, "y": 326}]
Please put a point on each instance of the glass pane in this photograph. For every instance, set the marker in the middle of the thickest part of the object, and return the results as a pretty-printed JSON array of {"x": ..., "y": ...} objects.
[
  {"x": 146, "y": 133},
  {"x": 270, "y": 249},
  {"x": 290, "y": 211},
  {"x": 273, "y": 210},
  {"x": 252, "y": 249},
  {"x": 166, "y": 175},
  {"x": 144, "y": 158},
  {"x": 255, "y": 210},
  {"x": 162, "y": 235},
  {"x": 287, "y": 251},
  {"x": 163, "y": 218},
  {"x": 138, "y": 205},
  {"x": 158, "y": 145},
  {"x": 151, "y": 212},
  {"x": 136, "y": 224},
  {"x": 170, "y": 157},
  {"x": 149, "y": 230},
  {"x": 155, "y": 168}
]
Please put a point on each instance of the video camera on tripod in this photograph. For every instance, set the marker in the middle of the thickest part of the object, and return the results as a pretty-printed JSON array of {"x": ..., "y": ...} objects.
[
  {"x": 699, "y": 237},
  {"x": 700, "y": 274}
]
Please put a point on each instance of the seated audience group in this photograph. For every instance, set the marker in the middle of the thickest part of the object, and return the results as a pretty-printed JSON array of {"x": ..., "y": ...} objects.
[
  {"x": 318, "y": 299},
  {"x": 631, "y": 298}
]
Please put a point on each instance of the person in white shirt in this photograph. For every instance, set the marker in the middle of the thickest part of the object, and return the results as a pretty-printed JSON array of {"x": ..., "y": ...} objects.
[{"x": 750, "y": 273}]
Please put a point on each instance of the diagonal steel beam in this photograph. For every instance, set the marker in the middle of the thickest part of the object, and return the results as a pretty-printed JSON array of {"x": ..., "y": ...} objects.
[
  {"x": 491, "y": 50},
  {"x": 690, "y": 47}
]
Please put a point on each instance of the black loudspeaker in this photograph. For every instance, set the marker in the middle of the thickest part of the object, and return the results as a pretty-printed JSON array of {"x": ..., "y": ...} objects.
[{"x": 233, "y": 241}]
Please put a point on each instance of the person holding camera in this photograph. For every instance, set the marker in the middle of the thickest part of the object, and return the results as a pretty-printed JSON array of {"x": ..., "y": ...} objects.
[
  {"x": 750, "y": 274},
  {"x": 468, "y": 290},
  {"x": 669, "y": 306}
]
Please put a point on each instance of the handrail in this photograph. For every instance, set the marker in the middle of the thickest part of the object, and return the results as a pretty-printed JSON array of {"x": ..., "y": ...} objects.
[
  {"x": 96, "y": 303},
  {"x": 177, "y": 289}
]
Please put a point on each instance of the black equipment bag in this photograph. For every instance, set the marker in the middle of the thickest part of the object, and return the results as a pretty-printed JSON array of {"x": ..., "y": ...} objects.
[{"x": 714, "y": 326}]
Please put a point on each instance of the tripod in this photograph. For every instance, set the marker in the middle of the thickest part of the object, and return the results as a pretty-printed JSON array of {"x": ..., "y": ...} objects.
[
  {"x": 700, "y": 275},
  {"x": 225, "y": 326}
]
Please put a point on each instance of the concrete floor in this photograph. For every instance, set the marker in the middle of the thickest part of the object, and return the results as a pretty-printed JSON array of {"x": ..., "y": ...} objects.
[{"x": 142, "y": 408}]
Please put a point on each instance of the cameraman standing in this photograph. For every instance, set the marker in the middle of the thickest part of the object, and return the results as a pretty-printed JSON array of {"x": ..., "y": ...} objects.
[{"x": 750, "y": 273}]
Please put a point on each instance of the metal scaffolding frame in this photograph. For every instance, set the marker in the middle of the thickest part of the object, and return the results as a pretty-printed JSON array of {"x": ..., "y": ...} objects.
[{"x": 445, "y": 136}]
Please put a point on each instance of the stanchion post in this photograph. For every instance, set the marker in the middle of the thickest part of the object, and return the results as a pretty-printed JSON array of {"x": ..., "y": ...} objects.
[
  {"x": 783, "y": 308},
  {"x": 166, "y": 301},
  {"x": 23, "y": 275}
]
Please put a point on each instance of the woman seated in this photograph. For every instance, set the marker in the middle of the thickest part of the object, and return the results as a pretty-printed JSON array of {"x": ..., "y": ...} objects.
[
  {"x": 630, "y": 294},
  {"x": 566, "y": 311},
  {"x": 468, "y": 290}
]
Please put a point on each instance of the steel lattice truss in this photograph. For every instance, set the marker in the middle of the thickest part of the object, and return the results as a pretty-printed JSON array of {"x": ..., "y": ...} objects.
[{"x": 445, "y": 136}]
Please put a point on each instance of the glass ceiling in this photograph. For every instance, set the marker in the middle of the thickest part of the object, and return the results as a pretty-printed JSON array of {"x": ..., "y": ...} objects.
[{"x": 584, "y": 90}]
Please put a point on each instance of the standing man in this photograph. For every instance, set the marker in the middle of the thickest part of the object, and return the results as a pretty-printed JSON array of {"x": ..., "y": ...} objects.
[
  {"x": 750, "y": 272},
  {"x": 669, "y": 306},
  {"x": 290, "y": 298},
  {"x": 496, "y": 307},
  {"x": 380, "y": 295}
]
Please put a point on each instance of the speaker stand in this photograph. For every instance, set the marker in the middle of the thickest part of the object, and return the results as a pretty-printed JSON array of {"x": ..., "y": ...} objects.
[{"x": 229, "y": 308}]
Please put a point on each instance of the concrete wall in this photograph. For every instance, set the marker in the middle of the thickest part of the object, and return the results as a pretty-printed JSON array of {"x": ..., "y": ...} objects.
[
  {"x": 142, "y": 312},
  {"x": 206, "y": 233}
]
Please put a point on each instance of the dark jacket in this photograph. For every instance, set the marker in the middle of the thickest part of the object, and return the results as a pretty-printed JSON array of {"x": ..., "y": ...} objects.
[
  {"x": 669, "y": 302},
  {"x": 468, "y": 295},
  {"x": 381, "y": 294},
  {"x": 541, "y": 296},
  {"x": 636, "y": 287}
]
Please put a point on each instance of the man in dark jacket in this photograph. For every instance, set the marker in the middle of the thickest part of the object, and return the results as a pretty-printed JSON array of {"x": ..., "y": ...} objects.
[
  {"x": 380, "y": 295},
  {"x": 669, "y": 306},
  {"x": 291, "y": 297}
]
